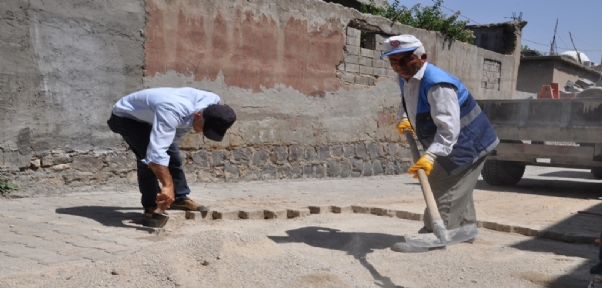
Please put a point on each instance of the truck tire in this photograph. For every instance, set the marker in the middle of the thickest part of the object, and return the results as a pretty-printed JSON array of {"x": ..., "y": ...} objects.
[
  {"x": 597, "y": 173},
  {"x": 502, "y": 173}
]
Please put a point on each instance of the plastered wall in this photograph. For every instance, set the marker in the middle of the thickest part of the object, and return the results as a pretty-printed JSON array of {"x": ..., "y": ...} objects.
[{"x": 282, "y": 65}]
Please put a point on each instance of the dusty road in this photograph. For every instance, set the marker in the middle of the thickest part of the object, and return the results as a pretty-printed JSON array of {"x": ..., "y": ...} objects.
[{"x": 91, "y": 239}]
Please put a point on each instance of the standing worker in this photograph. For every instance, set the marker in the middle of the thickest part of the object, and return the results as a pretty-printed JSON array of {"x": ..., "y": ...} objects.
[
  {"x": 453, "y": 130},
  {"x": 152, "y": 122}
]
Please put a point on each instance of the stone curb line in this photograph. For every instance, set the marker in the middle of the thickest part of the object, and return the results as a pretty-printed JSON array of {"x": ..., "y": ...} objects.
[{"x": 305, "y": 211}]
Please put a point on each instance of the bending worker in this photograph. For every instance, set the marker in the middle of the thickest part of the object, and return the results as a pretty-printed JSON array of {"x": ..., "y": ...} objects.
[
  {"x": 453, "y": 130},
  {"x": 152, "y": 122}
]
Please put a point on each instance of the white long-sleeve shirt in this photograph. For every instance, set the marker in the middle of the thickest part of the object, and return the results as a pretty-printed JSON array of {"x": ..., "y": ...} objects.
[
  {"x": 445, "y": 111},
  {"x": 170, "y": 111}
]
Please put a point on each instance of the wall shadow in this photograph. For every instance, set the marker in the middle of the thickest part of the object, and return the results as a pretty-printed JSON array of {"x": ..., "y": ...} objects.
[
  {"x": 109, "y": 215},
  {"x": 356, "y": 244}
]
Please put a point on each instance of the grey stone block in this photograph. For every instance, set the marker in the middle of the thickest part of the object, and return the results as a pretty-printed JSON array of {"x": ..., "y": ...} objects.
[
  {"x": 341, "y": 66},
  {"x": 353, "y": 41},
  {"x": 381, "y": 64},
  {"x": 353, "y": 68},
  {"x": 392, "y": 149},
  {"x": 364, "y": 80},
  {"x": 357, "y": 165},
  {"x": 372, "y": 150},
  {"x": 231, "y": 172},
  {"x": 283, "y": 172},
  {"x": 367, "y": 171},
  {"x": 242, "y": 155},
  {"x": 279, "y": 155},
  {"x": 310, "y": 154},
  {"x": 377, "y": 167},
  {"x": 380, "y": 71},
  {"x": 218, "y": 157},
  {"x": 268, "y": 172},
  {"x": 333, "y": 169},
  {"x": 345, "y": 168},
  {"x": 352, "y": 59},
  {"x": 323, "y": 153},
  {"x": 360, "y": 151},
  {"x": 295, "y": 153},
  {"x": 336, "y": 151},
  {"x": 349, "y": 151},
  {"x": 320, "y": 170},
  {"x": 201, "y": 158},
  {"x": 353, "y": 32},
  {"x": 366, "y": 61},
  {"x": 377, "y": 54},
  {"x": 347, "y": 77},
  {"x": 308, "y": 171},
  {"x": 366, "y": 53},
  {"x": 296, "y": 171},
  {"x": 367, "y": 70},
  {"x": 353, "y": 50},
  {"x": 251, "y": 173},
  {"x": 260, "y": 157}
]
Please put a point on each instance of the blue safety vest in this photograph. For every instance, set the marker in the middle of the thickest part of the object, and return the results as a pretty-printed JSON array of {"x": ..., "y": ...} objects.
[{"x": 477, "y": 137}]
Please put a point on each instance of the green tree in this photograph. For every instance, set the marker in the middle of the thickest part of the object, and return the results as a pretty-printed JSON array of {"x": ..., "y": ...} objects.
[{"x": 425, "y": 17}]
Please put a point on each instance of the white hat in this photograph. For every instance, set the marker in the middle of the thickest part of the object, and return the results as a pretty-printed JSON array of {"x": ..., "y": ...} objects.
[{"x": 400, "y": 44}]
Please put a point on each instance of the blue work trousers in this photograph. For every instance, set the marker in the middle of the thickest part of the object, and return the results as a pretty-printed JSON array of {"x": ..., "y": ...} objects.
[{"x": 137, "y": 135}]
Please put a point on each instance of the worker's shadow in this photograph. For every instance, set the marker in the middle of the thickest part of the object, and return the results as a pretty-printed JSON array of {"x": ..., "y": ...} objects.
[
  {"x": 109, "y": 216},
  {"x": 355, "y": 243}
]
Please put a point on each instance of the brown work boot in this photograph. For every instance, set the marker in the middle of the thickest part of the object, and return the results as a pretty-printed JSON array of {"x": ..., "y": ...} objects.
[{"x": 188, "y": 205}]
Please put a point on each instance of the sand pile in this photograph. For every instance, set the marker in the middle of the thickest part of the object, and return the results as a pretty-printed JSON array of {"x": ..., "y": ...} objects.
[{"x": 213, "y": 258}]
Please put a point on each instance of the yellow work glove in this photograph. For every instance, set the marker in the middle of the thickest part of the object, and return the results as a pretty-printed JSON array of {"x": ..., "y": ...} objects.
[
  {"x": 404, "y": 124},
  {"x": 425, "y": 163}
]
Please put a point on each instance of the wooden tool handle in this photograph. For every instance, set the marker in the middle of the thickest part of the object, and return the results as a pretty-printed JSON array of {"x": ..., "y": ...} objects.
[{"x": 424, "y": 182}]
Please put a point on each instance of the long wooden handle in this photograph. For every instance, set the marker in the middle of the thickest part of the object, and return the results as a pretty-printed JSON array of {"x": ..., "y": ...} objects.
[{"x": 424, "y": 182}]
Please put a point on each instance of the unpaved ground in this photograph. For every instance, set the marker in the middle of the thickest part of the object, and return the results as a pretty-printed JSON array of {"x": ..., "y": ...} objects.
[{"x": 324, "y": 250}]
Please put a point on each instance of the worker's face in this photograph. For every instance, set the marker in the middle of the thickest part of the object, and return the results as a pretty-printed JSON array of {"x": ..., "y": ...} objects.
[
  {"x": 198, "y": 122},
  {"x": 406, "y": 64}
]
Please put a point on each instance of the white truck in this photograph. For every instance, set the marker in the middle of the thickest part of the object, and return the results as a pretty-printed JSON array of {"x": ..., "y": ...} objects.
[{"x": 544, "y": 132}]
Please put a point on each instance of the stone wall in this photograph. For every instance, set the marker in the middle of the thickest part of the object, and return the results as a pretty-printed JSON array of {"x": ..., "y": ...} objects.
[{"x": 299, "y": 74}]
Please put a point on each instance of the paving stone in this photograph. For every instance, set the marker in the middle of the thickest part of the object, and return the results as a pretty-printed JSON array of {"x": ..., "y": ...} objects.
[
  {"x": 251, "y": 214},
  {"x": 320, "y": 209},
  {"x": 275, "y": 214},
  {"x": 360, "y": 209},
  {"x": 294, "y": 213},
  {"x": 225, "y": 215},
  {"x": 341, "y": 209}
]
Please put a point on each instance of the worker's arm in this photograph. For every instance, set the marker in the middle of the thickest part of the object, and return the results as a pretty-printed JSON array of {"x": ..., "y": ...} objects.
[
  {"x": 167, "y": 194},
  {"x": 445, "y": 111},
  {"x": 161, "y": 137}
]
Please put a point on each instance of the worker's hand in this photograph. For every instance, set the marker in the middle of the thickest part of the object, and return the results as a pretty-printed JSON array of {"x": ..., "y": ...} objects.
[
  {"x": 165, "y": 198},
  {"x": 425, "y": 163},
  {"x": 404, "y": 124}
]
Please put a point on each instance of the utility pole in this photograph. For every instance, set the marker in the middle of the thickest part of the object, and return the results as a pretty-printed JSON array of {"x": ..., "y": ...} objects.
[
  {"x": 553, "y": 50},
  {"x": 578, "y": 56}
]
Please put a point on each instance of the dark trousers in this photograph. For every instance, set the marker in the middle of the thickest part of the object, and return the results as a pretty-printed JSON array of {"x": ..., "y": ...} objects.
[
  {"x": 597, "y": 269},
  {"x": 137, "y": 135}
]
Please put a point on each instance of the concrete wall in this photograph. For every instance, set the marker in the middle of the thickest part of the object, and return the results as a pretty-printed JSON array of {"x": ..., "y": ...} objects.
[
  {"x": 537, "y": 71},
  {"x": 312, "y": 100}
]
